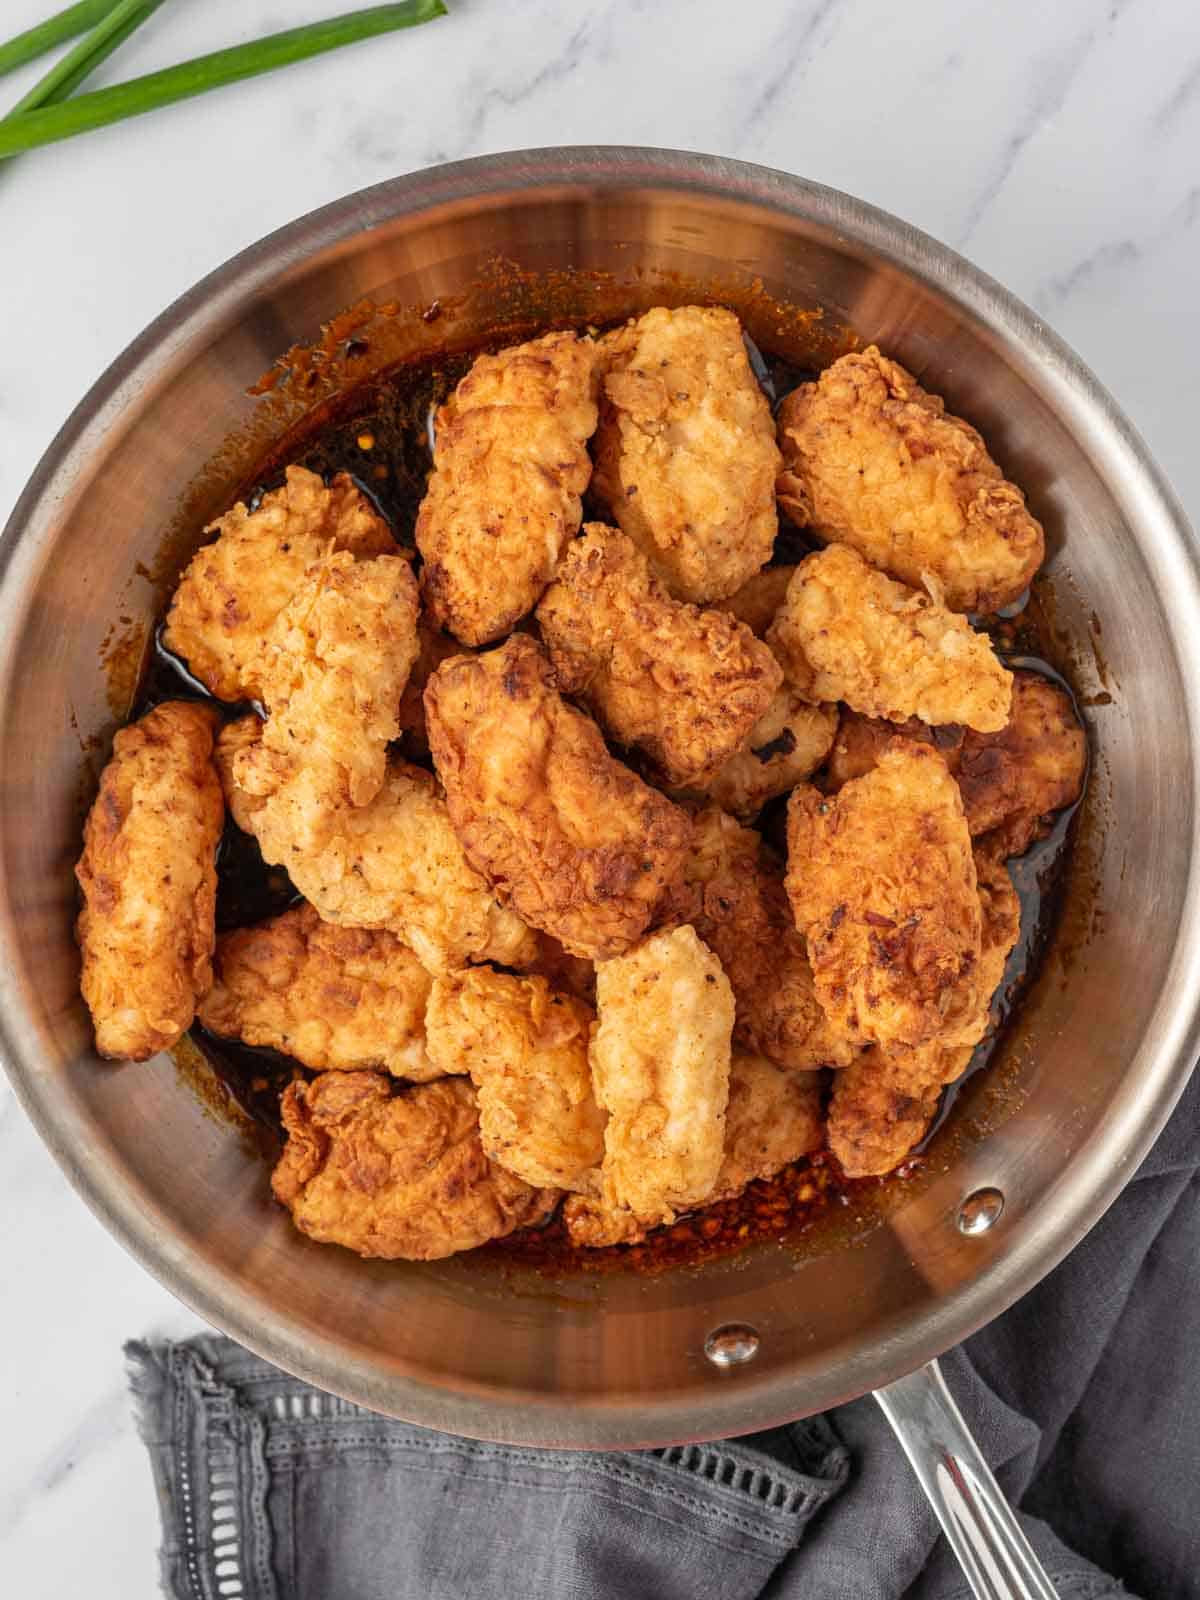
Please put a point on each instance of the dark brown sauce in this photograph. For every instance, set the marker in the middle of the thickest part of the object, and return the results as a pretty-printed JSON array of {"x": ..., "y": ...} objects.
[{"x": 379, "y": 433}]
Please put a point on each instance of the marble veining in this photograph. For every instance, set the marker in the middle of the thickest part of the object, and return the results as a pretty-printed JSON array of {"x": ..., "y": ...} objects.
[{"x": 1058, "y": 150}]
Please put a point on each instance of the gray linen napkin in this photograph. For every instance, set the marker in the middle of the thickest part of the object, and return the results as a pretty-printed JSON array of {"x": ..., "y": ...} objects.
[{"x": 1085, "y": 1398}]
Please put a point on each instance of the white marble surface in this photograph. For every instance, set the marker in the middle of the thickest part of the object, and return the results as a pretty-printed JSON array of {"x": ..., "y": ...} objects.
[{"x": 1054, "y": 145}]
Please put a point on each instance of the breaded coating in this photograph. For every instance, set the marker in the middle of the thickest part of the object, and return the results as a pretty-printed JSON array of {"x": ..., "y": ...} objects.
[
  {"x": 787, "y": 743},
  {"x": 397, "y": 864},
  {"x": 742, "y": 915},
  {"x": 685, "y": 452},
  {"x": 883, "y": 1103},
  {"x": 401, "y": 1176},
  {"x": 332, "y": 670},
  {"x": 574, "y": 841},
  {"x": 759, "y": 598},
  {"x": 433, "y": 647},
  {"x": 561, "y": 970},
  {"x": 149, "y": 882},
  {"x": 871, "y": 460},
  {"x": 883, "y": 886},
  {"x": 682, "y": 684},
  {"x": 335, "y": 999},
  {"x": 526, "y": 1049},
  {"x": 848, "y": 633},
  {"x": 660, "y": 1064},
  {"x": 243, "y": 733},
  {"x": 1011, "y": 782},
  {"x": 510, "y": 465},
  {"x": 233, "y": 590},
  {"x": 772, "y": 1119}
]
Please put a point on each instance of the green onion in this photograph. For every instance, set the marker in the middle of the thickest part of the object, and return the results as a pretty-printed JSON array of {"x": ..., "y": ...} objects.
[
  {"x": 54, "y": 31},
  {"x": 103, "y": 106},
  {"x": 87, "y": 55}
]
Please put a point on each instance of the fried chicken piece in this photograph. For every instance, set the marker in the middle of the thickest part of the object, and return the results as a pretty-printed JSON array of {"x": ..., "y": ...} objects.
[
  {"x": 149, "y": 882},
  {"x": 660, "y": 1065},
  {"x": 883, "y": 886},
  {"x": 1011, "y": 782},
  {"x": 759, "y": 598},
  {"x": 526, "y": 1049},
  {"x": 397, "y": 864},
  {"x": 871, "y": 460},
  {"x": 787, "y": 743},
  {"x": 579, "y": 845},
  {"x": 332, "y": 670},
  {"x": 233, "y": 590},
  {"x": 884, "y": 1102},
  {"x": 510, "y": 465},
  {"x": 742, "y": 915},
  {"x": 848, "y": 633},
  {"x": 402, "y": 1176},
  {"x": 433, "y": 647},
  {"x": 773, "y": 1118},
  {"x": 682, "y": 684},
  {"x": 685, "y": 452},
  {"x": 243, "y": 733},
  {"x": 335, "y": 999}
]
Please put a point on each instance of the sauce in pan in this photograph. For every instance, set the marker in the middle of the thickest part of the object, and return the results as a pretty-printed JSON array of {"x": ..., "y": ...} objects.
[{"x": 380, "y": 434}]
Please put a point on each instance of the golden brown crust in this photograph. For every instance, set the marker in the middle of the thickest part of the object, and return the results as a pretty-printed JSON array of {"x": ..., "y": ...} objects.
[
  {"x": 399, "y": 1176},
  {"x": 510, "y": 466},
  {"x": 526, "y": 1049},
  {"x": 742, "y": 914},
  {"x": 397, "y": 864},
  {"x": 233, "y": 589},
  {"x": 561, "y": 970},
  {"x": 149, "y": 882},
  {"x": 772, "y": 1119},
  {"x": 883, "y": 885},
  {"x": 685, "y": 452},
  {"x": 1012, "y": 782},
  {"x": 579, "y": 845},
  {"x": 332, "y": 668},
  {"x": 846, "y": 632},
  {"x": 243, "y": 733},
  {"x": 787, "y": 744},
  {"x": 335, "y": 999},
  {"x": 682, "y": 684},
  {"x": 871, "y": 460}
]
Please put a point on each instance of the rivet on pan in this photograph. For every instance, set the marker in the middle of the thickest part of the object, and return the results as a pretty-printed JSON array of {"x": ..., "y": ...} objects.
[
  {"x": 979, "y": 1211},
  {"x": 732, "y": 1344}
]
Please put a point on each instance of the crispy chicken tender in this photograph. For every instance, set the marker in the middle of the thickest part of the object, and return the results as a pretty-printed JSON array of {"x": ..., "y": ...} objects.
[
  {"x": 682, "y": 684},
  {"x": 773, "y": 1118},
  {"x": 401, "y": 1176},
  {"x": 759, "y": 598},
  {"x": 335, "y": 999},
  {"x": 871, "y": 460},
  {"x": 332, "y": 670},
  {"x": 433, "y": 647},
  {"x": 149, "y": 882},
  {"x": 1011, "y": 782},
  {"x": 742, "y": 915},
  {"x": 787, "y": 743},
  {"x": 526, "y": 1049},
  {"x": 883, "y": 886},
  {"x": 233, "y": 590},
  {"x": 660, "y": 1065},
  {"x": 883, "y": 1103},
  {"x": 511, "y": 463},
  {"x": 848, "y": 633},
  {"x": 397, "y": 864},
  {"x": 579, "y": 845},
  {"x": 685, "y": 452}
]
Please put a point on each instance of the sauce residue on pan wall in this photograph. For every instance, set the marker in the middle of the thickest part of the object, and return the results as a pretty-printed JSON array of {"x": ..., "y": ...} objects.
[{"x": 379, "y": 433}]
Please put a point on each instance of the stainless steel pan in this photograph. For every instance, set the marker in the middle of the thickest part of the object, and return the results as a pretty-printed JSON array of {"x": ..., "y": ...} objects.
[{"x": 1104, "y": 1044}]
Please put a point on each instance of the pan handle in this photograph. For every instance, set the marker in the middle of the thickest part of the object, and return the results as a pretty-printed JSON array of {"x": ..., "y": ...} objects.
[{"x": 984, "y": 1534}]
